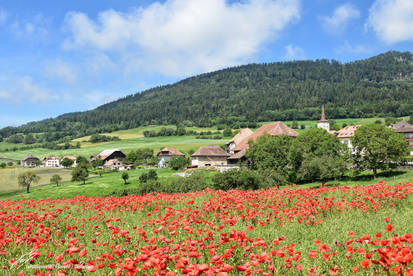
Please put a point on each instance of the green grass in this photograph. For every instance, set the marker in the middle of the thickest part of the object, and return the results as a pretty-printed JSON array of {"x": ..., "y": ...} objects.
[
  {"x": 95, "y": 186},
  {"x": 183, "y": 143},
  {"x": 111, "y": 183},
  {"x": 8, "y": 177},
  {"x": 138, "y": 132}
]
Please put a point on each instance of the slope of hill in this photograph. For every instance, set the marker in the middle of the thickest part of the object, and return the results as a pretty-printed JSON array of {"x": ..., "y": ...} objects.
[{"x": 378, "y": 86}]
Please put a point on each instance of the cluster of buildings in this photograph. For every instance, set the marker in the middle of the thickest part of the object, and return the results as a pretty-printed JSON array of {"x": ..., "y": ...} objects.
[
  {"x": 216, "y": 156},
  {"x": 50, "y": 161}
]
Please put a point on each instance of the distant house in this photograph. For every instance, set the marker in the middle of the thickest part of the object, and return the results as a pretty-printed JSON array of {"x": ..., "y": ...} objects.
[
  {"x": 406, "y": 129},
  {"x": 109, "y": 154},
  {"x": 29, "y": 161},
  {"x": 345, "y": 134},
  {"x": 273, "y": 129},
  {"x": 323, "y": 122},
  {"x": 237, "y": 139},
  {"x": 51, "y": 161},
  {"x": 210, "y": 156},
  {"x": 166, "y": 154},
  {"x": 114, "y": 164},
  {"x": 73, "y": 158},
  {"x": 399, "y": 125}
]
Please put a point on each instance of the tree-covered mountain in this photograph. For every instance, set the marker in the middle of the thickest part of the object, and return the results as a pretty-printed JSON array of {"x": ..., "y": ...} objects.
[{"x": 378, "y": 86}]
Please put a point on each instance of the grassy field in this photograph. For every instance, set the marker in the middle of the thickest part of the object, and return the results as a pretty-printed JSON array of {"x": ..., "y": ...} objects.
[
  {"x": 8, "y": 177},
  {"x": 112, "y": 183},
  {"x": 183, "y": 143},
  {"x": 95, "y": 186},
  {"x": 138, "y": 132}
]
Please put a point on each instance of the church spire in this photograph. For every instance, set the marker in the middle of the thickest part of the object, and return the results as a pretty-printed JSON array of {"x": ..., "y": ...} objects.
[
  {"x": 323, "y": 122},
  {"x": 323, "y": 115}
]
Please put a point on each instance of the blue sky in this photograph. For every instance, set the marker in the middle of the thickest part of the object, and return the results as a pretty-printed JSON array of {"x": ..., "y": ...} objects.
[{"x": 65, "y": 56}]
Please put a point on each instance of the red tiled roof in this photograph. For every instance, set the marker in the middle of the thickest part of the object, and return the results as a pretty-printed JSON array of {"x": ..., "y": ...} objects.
[
  {"x": 347, "y": 131},
  {"x": 273, "y": 129},
  {"x": 244, "y": 133},
  {"x": 170, "y": 151},
  {"x": 210, "y": 151},
  {"x": 238, "y": 155}
]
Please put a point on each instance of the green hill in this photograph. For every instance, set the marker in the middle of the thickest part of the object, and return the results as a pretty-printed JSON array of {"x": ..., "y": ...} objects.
[{"x": 376, "y": 87}]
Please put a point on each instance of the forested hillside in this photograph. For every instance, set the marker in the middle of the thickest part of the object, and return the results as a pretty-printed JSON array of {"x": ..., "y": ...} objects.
[{"x": 378, "y": 86}]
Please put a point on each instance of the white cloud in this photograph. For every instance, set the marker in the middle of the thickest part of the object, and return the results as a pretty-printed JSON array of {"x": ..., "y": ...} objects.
[
  {"x": 3, "y": 16},
  {"x": 293, "y": 52},
  {"x": 32, "y": 91},
  {"x": 180, "y": 37},
  {"x": 61, "y": 71},
  {"x": 34, "y": 30},
  {"x": 354, "y": 49},
  {"x": 338, "y": 21},
  {"x": 392, "y": 20}
]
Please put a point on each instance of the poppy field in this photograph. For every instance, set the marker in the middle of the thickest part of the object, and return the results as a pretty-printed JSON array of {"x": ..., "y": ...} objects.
[{"x": 343, "y": 230}]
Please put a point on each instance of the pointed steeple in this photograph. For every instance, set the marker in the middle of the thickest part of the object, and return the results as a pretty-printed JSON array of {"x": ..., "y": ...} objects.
[
  {"x": 323, "y": 115},
  {"x": 323, "y": 122}
]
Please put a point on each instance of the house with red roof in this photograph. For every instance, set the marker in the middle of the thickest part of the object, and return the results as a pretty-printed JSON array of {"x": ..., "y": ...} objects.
[
  {"x": 210, "y": 156},
  {"x": 273, "y": 129}
]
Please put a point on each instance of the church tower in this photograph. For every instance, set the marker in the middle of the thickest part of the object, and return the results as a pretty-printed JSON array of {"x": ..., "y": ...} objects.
[{"x": 323, "y": 122}]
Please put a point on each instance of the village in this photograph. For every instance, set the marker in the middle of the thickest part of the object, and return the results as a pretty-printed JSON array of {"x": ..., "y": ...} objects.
[{"x": 214, "y": 156}]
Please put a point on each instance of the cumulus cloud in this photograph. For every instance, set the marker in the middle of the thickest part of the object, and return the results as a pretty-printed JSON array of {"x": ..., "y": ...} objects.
[
  {"x": 23, "y": 90},
  {"x": 392, "y": 20},
  {"x": 180, "y": 37},
  {"x": 33, "y": 30},
  {"x": 354, "y": 49},
  {"x": 61, "y": 71},
  {"x": 293, "y": 52},
  {"x": 338, "y": 21}
]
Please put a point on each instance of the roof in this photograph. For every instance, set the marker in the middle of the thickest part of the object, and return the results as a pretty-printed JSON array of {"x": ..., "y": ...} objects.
[
  {"x": 51, "y": 157},
  {"x": 402, "y": 127},
  {"x": 106, "y": 153},
  {"x": 170, "y": 151},
  {"x": 238, "y": 155},
  {"x": 347, "y": 131},
  {"x": 273, "y": 129},
  {"x": 244, "y": 133},
  {"x": 401, "y": 124},
  {"x": 69, "y": 157},
  {"x": 29, "y": 157},
  {"x": 210, "y": 151}
]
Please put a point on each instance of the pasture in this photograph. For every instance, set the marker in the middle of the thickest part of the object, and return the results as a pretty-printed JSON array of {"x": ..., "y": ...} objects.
[{"x": 8, "y": 177}]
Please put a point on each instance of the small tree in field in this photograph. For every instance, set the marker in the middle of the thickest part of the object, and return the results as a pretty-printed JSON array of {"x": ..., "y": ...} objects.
[
  {"x": 379, "y": 148},
  {"x": 26, "y": 179},
  {"x": 80, "y": 173},
  {"x": 55, "y": 179},
  {"x": 125, "y": 177}
]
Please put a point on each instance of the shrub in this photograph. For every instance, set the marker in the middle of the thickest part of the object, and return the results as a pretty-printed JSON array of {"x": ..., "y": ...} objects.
[
  {"x": 148, "y": 187},
  {"x": 233, "y": 179}
]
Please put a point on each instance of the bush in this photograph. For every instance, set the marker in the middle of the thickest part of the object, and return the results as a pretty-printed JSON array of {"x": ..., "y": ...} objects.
[
  {"x": 150, "y": 175},
  {"x": 237, "y": 179},
  {"x": 149, "y": 186}
]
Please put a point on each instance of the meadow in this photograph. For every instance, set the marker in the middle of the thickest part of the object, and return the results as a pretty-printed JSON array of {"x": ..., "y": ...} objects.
[
  {"x": 8, "y": 177},
  {"x": 291, "y": 231},
  {"x": 184, "y": 143}
]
